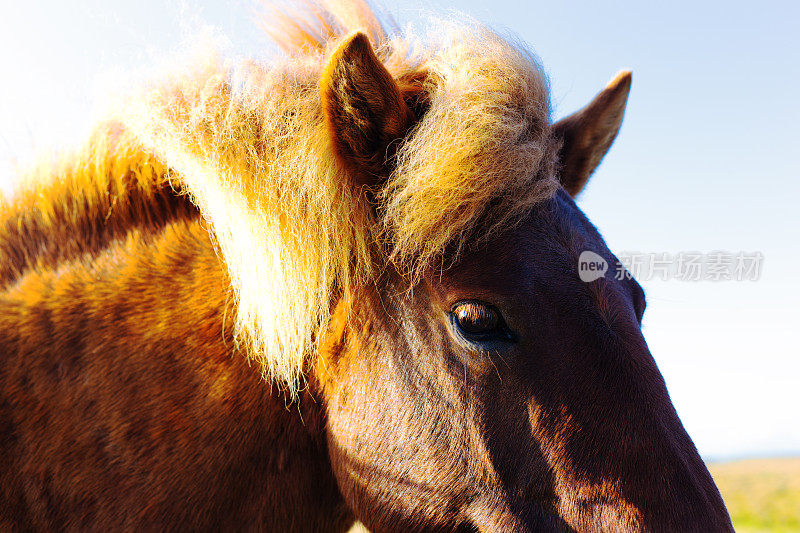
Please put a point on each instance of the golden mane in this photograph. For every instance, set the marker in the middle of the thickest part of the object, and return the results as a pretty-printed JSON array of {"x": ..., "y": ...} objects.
[{"x": 248, "y": 143}]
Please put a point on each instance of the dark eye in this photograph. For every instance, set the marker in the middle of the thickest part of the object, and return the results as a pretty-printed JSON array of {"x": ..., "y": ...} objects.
[
  {"x": 480, "y": 324},
  {"x": 476, "y": 318}
]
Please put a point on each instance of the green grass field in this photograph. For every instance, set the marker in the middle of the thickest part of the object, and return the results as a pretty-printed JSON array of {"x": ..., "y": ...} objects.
[{"x": 762, "y": 495}]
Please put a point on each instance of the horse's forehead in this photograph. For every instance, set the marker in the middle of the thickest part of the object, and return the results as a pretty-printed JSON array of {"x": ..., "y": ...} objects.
[{"x": 543, "y": 247}]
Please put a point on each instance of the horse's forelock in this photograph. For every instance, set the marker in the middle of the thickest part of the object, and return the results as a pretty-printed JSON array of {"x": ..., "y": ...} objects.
[{"x": 480, "y": 157}]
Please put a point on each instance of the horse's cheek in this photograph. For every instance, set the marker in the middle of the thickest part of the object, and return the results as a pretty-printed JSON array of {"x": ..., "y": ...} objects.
[{"x": 346, "y": 379}]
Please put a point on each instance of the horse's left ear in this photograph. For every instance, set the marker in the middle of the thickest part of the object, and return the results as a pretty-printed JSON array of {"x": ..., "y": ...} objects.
[
  {"x": 363, "y": 108},
  {"x": 587, "y": 134}
]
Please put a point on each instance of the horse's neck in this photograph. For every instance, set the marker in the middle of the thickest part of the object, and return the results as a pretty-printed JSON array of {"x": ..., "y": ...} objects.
[
  {"x": 116, "y": 313},
  {"x": 87, "y": 204}
]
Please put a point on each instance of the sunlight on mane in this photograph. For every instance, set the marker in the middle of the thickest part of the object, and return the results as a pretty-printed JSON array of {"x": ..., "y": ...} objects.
[{"x": 248, "y": 143}]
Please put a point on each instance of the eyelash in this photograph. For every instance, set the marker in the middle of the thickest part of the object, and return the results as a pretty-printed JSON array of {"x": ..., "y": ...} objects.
[{"x": 501, "y": 336}]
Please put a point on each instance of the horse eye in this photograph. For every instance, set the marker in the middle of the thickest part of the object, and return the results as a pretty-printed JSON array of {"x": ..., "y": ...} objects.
[{"x": 476, "y": 318}]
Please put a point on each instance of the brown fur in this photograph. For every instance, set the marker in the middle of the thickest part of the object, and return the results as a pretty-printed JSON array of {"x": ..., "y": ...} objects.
[
  {"x": 223, "y": 220},
  {"x": 125, "y": 419},
  {"x": 80, "y": 203}
]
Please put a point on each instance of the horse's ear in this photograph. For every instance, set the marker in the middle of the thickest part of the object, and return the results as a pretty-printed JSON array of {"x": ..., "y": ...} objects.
[
  {"x": 363, "y": 108},
  {"x": 587, "y": 134}
]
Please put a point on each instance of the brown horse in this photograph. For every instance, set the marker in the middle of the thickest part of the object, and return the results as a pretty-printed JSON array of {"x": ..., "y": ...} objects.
[{"x": 340, "y": 286}]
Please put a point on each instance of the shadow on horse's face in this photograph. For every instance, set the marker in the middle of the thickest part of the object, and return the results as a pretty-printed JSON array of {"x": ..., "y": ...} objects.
[{"x": 505, "y": 394}]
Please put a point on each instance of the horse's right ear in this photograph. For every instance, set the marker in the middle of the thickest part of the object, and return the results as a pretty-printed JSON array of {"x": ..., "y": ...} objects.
[{"x": 363, "y": 108}]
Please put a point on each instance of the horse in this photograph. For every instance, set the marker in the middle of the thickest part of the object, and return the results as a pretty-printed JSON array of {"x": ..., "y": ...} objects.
[{"x": 338, "y": 285}]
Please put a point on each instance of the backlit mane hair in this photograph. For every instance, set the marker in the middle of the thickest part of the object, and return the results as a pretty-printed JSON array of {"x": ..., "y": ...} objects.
[{"x": 248, "y": 143}]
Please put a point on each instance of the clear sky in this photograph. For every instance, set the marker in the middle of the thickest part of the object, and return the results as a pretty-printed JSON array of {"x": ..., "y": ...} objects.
[{"x": 708, "y": 158}]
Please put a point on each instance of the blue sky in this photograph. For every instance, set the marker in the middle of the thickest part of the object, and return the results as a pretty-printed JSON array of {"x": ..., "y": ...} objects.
[{"x": 708, "y": 158}]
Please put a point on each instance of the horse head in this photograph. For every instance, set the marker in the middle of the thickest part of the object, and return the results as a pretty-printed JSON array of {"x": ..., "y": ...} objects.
[{"x": 493, "y": 389}]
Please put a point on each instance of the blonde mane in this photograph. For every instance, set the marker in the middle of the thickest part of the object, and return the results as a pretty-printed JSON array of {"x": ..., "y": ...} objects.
[{"x": 248, "y": 143}]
